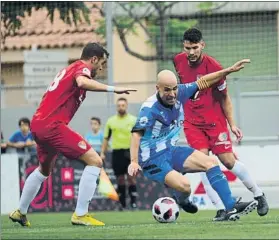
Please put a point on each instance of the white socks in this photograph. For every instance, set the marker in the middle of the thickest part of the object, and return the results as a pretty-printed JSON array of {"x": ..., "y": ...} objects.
[
  {"x": 87, "y": 187},
  {"x": 212, "y": 194},
  {"x": 241, "y": 172},
  {"x": 31, "y": 187}
]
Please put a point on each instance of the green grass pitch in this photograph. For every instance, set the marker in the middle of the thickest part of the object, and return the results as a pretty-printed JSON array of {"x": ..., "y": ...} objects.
[{"x": 141, "y": 225}]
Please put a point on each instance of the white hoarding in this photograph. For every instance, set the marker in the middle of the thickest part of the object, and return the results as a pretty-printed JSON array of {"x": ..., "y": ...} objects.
[
  {"x": 262, "y": 164},
  {"x": 9, "y": 183}
]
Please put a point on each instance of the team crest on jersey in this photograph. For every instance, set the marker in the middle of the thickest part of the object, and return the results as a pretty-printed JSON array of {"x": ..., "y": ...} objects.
[
  {"x": 223, "y": 137},
  {"x": 86, "y": 71},
  {"x": 82, "y": 145},
  {"x": 143, "y": 121}
]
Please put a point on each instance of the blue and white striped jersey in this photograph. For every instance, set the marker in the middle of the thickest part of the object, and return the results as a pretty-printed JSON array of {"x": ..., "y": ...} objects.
[{"x": 161, "y": 125}]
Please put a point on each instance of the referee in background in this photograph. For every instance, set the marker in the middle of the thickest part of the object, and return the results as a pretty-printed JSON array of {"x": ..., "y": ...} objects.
[{"x": 118, "y": 127}]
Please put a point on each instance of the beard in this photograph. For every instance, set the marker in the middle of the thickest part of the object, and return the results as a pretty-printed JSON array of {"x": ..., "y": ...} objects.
[
  {"x": 122, "y": 112},
  {"x": 197, "y": 60},
  {"x": 93, "y": 73}
]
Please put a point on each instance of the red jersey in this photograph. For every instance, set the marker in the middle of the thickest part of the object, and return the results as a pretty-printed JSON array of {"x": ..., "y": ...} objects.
[
  {"x": 63, "y": 97},
  {"x": 203, "y": 108}
]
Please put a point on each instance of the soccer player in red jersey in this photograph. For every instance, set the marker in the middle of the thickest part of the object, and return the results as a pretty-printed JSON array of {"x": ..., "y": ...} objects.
[
  {"x": 52, "y": 134},
  {"x": 206, "y": 116}
]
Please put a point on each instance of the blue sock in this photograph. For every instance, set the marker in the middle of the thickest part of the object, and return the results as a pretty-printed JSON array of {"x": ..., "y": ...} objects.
[
  {"x": 220, "y": 184},
  {"x": 181, "y": 197}
]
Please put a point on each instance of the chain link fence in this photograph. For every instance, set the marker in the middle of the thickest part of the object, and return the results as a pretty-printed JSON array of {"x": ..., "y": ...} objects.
[{"x": 145, "y": 37}]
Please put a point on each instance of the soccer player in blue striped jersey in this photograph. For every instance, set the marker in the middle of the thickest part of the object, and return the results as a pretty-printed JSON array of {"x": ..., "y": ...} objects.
[{"x": 156, "y": 132}]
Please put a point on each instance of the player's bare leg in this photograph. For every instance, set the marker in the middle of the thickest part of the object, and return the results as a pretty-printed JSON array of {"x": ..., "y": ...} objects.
[
  {"x": 132, "y": 191},
  {"x": 87, "y": 187},
  {"x": 238, "y": 168},
  {"x": 181, "y": 184},
  {"x": 212, "y": 194},
  {"x": 31, "y": 188},
  {"x": 121, "y": 189},
  {"x": 198, "y": 161}
]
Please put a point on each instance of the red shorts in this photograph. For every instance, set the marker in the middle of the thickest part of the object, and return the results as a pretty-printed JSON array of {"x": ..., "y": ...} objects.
[
  {"x": 57, "y": 138},
  {"x": 215, "y": 138}
]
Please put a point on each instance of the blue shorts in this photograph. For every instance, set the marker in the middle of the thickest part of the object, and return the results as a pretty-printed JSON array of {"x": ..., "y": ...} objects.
[{"x": 158, "y": 167}]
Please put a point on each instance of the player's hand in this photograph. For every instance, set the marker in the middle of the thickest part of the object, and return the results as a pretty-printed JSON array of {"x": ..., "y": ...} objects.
[
  {"x": 238, "y": 65},
  {"x": 121, "y": 90},
  {"x": 237, "y": 132},
  {"x": 20, "y": 144},
  {"x": 133, "y": 169},
  {"x": 29, "y": 143},
  {"x": 103, "y": 156},
  {"x": 3, "y": 145}
]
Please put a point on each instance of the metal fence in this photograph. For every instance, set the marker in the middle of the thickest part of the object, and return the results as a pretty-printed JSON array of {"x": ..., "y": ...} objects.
[
  {"x": 256, "y": 112},
  {"x": 134, "y": 33}
]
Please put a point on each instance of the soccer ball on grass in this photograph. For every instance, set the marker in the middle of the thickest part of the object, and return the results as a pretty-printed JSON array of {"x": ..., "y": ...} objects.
[{"x": 165, "y": 210}]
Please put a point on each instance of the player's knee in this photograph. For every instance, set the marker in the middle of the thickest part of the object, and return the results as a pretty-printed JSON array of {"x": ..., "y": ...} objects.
[
  {"x": 185, "y": 187},
  {"x": 121, "y": 180},
  {"x": 210, "y": 163},
  {"x": 44, "y": 171},
  {"x": 228, "y": 163},
  {"x": 95, "y": 161},
  {"x": 98, "y": 162}
]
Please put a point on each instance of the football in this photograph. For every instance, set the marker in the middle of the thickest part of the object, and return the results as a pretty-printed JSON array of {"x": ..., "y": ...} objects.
[{"x": 165, "y": 210}]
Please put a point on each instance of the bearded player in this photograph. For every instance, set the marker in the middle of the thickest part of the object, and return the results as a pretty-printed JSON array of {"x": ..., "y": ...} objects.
[
  {"x": 49, "y": 127},
  {"x": 206, "y": 117}
]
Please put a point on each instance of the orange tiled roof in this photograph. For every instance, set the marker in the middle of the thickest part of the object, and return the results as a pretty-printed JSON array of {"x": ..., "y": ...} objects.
[{"x": 38, "y": 30}]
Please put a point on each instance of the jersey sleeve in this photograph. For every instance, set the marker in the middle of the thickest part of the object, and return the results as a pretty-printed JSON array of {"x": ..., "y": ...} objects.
[
  {"x": 82, "y": 71},
  {"x": 186, "y": 91},
  {"x": 108, "y": 131},
  {"x": 14, "y": 138},
  {"x": 222, "y": 84},
  {"x": 144, "y": 120}
]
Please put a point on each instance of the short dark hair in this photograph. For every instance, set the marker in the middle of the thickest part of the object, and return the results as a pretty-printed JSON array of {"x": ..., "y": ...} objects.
[
  {"x": 122, "y": 99},
  {"x": 192, "y": 35},
  {"x": 93, "y": 49},
  {"x": 96, "y": 119},
  {"x": 24, "y": 120}
]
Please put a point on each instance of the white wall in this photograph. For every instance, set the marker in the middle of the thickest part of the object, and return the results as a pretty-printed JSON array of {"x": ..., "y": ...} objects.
[
  {"x": 262, "y": 162},
  {"x": 9, "y": 183},
  {"x": 263, "y": 165}
]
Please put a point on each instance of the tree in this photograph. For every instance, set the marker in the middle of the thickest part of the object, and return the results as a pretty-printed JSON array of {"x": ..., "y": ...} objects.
[
  {"x": 12, "y": 14},
  {"x": 154, "y": 19}
]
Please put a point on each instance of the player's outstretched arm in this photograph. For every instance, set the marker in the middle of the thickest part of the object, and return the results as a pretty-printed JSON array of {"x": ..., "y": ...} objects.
[
  {"x": 134, "y": 151},
  {"x": 93, "y": 85},
  {"x": 212, "y": 78}
]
